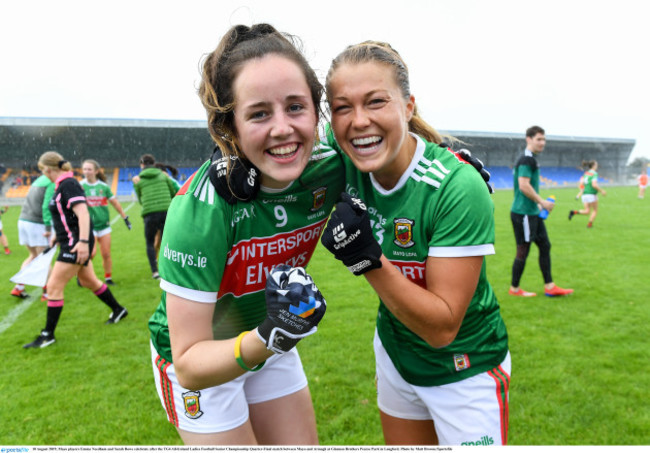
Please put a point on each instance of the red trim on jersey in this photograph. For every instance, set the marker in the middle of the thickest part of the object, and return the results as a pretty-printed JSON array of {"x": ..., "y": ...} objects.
[
  {"x": 167, "y": 390},
  {"x": 186, "y": 185},
  {"x": 502, "y": 381},
  {"x": 458, "y": 156}
]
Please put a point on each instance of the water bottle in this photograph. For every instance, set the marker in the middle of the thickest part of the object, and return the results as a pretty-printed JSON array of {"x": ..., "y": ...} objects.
[{"x": 544, "y": 212}]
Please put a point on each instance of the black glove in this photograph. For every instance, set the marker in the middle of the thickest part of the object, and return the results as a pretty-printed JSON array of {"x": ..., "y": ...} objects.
[
  {"x": 127, "y": 222},
  {"x": 242, "y": 182},
  {"x": 294, "y": 307},
  {"x": 466, "y": 155},
  {"x": 349, "y": 237}
]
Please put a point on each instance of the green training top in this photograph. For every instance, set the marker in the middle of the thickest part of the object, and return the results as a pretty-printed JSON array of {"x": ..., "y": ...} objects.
[
  {"x": 154, "y": 190},
  {"x": 527, "y": 167}
]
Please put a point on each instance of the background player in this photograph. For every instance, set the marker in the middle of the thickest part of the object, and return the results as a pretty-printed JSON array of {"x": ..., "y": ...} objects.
[
  {"x": 3, "y": 237},
  {"x": 524, "y": 214},
  {"x": 72, "y": 230},
  {"x": 155, "y": 190},
  {"x": 98, "y": 196},
  {"x": 35, "y": 225},
  {"x": 590, "y": 195},
  {"x": 642, "y": 180}
]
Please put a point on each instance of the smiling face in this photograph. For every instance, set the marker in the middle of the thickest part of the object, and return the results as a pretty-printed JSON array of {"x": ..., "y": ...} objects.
[
  {"x": 370, "y": 119},
  {"x": 275, "y": 118},
  {"x": 89, "y": 171}
]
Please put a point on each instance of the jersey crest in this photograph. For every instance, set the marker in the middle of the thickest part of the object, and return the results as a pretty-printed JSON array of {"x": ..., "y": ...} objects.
[
  {"x": 192, "y": 405},
  {"x": 461, "y": 361},
  {"x": 319, "y": 198},
  {"x": 404, "y": 232}
]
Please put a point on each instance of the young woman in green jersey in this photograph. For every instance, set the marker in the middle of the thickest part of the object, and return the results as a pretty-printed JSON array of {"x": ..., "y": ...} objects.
[
  {"x": 98, "y": 196},
  {"x": 417, "y": 221},
  {"x": 225, "y": 365},
  {"x": 590, "y": 193}
]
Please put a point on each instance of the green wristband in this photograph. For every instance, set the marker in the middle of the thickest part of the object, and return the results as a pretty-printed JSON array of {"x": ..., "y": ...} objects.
[{"x": 238, "y": 358}]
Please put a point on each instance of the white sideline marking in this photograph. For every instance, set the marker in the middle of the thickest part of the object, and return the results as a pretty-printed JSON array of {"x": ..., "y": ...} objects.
[
  {"x": 18, "y": 310},
  {"x": 117, "y": 217}
]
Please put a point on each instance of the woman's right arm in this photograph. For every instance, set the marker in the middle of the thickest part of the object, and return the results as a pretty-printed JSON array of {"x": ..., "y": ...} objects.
[{"x": 201, "y": 361}]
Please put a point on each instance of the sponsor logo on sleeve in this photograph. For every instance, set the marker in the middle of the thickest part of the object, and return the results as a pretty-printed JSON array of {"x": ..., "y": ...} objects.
[
  {"x": 185, "y": 259},
  {"x": 415, "y": 271}
]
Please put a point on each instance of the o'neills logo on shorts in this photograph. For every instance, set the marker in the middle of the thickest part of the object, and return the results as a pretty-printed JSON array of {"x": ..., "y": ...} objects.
[{"x": 250, "y": 261}]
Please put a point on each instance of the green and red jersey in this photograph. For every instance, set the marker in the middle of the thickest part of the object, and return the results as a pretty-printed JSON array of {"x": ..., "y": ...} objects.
[
  {"x": 589, "y": 178},
  {"x": 97, "y": 196},
  {"x": 215, "y": 252},
  {"x": 440, "y": 208}
]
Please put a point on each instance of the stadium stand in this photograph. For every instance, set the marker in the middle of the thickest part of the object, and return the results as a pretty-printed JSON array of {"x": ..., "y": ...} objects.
[{"x": 119, "y": 143}]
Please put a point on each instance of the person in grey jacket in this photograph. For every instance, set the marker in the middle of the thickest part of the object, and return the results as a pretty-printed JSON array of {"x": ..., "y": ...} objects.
[{"x": 35, "y": 225}]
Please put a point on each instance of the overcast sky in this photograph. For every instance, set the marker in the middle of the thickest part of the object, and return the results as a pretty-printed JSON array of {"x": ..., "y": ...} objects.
[{"x": 575, "y": 67}]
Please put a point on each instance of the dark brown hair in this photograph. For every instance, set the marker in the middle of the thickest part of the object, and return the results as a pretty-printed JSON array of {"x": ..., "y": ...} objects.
[
  {"x": 220, "y": 68},
  {"x": 100, "y": 171}
]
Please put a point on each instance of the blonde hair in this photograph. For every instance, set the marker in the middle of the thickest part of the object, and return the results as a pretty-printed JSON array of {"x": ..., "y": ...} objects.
[
  {"x": 383, "y": 53},
  {"x": 100, "y": 171},
  {"x": 52, "y": 159}
]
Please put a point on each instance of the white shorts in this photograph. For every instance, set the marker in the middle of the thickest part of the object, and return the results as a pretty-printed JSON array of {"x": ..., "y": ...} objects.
[
  {"x": 590, "y": 198},
  {"x": 225, "y": 407},
  {"x": 473, "y": 411},
  {"x": 103, "y": 232},
  {"x": 32, "y": 234}
]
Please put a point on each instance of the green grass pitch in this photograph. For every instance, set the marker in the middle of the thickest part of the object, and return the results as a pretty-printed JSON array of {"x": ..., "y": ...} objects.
[{"x": 580, "y": 364}]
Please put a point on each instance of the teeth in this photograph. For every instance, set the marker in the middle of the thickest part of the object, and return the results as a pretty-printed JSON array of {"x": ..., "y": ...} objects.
[
  {"x": 281, "y": 151},
  {"x": 366, "y": 140}
]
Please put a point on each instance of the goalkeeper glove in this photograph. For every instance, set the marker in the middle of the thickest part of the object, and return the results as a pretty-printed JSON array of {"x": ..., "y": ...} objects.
[
  {"x": 240, "y": 182},
  {"x": 294, "y": 307},
  {"x": 127, "y": 222},
  {"x": 349, "y": 237}
]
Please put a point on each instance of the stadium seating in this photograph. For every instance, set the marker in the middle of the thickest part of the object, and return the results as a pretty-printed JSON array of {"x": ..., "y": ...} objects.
[{"x": 501, "y": 177}]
